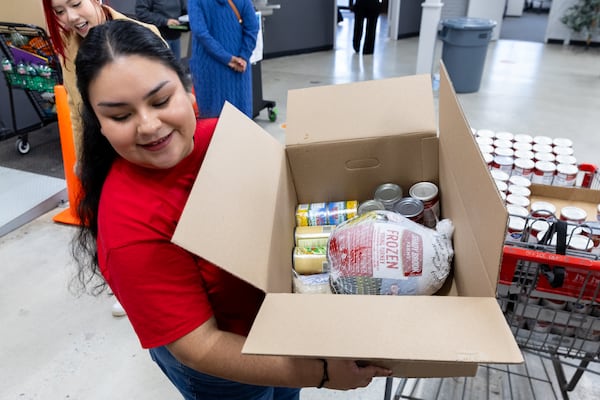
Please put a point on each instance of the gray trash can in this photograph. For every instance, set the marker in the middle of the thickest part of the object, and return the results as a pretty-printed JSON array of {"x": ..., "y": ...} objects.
[{"x": 464, "y": 50}]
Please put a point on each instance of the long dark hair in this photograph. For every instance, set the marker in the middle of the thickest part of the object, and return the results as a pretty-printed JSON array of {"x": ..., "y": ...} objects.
[{"x": 103, "y": 44}]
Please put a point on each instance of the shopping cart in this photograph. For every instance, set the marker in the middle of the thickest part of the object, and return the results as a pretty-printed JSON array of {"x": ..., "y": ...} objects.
[
  {"x": 550, "y": 295},
  {"x": 31, "y": 70}
]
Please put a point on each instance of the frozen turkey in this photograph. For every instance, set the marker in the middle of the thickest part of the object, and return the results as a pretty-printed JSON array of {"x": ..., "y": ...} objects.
[{"x": 383, "y": 252}]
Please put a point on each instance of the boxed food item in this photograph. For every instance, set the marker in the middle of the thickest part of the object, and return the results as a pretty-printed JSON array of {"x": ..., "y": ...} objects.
[{"x": 342, "y": 142}]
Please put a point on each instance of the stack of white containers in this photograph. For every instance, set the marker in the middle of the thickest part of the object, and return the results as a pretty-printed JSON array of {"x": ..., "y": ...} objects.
[{"x": 518, "y": 160}]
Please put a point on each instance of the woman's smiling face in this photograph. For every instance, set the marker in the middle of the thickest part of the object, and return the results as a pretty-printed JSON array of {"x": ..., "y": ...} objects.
[
  {"x": 144, "y": 111},
  {"x": 78, "y": 16}
]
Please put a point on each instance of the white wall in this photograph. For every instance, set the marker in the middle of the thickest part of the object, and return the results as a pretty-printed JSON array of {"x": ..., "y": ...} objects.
[{"x": 490, "y": 9}]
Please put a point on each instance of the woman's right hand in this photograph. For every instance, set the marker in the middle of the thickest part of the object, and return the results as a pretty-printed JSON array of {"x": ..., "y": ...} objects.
[{"x": 347, "y": 374}]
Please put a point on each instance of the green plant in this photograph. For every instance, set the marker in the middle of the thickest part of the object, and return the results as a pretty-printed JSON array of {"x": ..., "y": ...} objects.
[{"x": 583, "y": 17}]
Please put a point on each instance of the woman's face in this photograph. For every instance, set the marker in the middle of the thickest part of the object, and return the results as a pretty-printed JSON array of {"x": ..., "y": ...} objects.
[
  {"x": 78, "y": 16},
  {"x": 144, "y": 111}
]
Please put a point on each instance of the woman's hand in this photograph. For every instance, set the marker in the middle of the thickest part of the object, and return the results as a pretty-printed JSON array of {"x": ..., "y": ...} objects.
[
  {"x": 347, "y": 374},
  {"x": 238, "y": 64}
]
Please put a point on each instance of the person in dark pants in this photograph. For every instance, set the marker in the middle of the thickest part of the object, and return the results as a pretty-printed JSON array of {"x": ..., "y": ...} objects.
[{"x": 369, "y": 10}]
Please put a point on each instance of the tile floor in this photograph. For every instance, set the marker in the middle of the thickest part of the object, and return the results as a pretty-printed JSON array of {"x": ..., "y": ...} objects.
[{"x": 57, "y": 346}]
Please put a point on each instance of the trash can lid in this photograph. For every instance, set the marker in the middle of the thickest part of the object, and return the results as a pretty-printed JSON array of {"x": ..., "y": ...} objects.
[{"x": 468, "y": 23}]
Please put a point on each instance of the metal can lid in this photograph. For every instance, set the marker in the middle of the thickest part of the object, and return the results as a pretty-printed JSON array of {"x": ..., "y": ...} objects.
[
  {"x": 486, "y": 133},
  {"x": 523, "y": 137},
  {"x": 503, "y": 143},
  {"x": 519, "y": 190},
  {"x": 519, "y": 181},
  {"x": 504, "y": 160},
  {"x": 580, "y": 242},
  {"x": 409, "y": 207},
  {"x": 542, "y": 148},
  {"x": 499, "y": 175},
  {"x": 516, "y": 223},
  {"x": 543, "y": 206},
  {"x": 517, "y": 200},
  {"x": 522, "y": 146},
  {"x": 483, "y": 140},
  {"x": 486, "y": 148},
  {"x": 528, "y": 154},
  {"x": 591, "y": 227},
  {"x": 525, "y": 163},
  {"x": 504, "y": 151},
  {"x": 545, "y": 166},
  {"x": 423, "y": 191},
  {"x": 563, "y": 151},
  {"x": 370, "y": 205},
  {"x": 562, "y": 142},
  {"x": 501, "y": 185},
  {"x": 487, "y": 157},
  {"x": 567, "y": 169},
  {"x": 542, "y": 139},
  {"x": 504, "y": 135},
  {"x": 543, "y": 156},
  {"x": 518, "y": 211},
  {"x": 572, "y": 213},
  {"x": 566, "y": 159},
  {"x": 388, "y": 193},
  {"x": 539, "y": 225}
]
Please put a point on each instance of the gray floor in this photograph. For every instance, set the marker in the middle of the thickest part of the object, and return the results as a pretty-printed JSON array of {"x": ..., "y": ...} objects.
[{"x": 57, "y": 346}]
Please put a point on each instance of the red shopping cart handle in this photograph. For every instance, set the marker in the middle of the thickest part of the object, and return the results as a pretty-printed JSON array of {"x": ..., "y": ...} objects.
[{"x": 513, "y": 252}]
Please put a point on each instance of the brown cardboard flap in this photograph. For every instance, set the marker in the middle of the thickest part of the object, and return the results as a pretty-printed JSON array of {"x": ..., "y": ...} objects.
[
  {"x": 360, "y": 109},
  {"x": 241, "y": 204},
  {"x": 560, "y": 197},
  {"x": 477, "y": 210},
  {"x": 352, "y": 170},
  {"x": 402, "y": 328}
]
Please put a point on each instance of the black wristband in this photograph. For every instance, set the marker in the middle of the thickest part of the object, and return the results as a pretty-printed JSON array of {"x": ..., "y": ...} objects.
[{"x": 325, "y": 377}]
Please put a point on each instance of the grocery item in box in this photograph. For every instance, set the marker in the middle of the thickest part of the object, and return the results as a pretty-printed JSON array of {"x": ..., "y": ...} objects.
[{"x": 382, "y": 252}]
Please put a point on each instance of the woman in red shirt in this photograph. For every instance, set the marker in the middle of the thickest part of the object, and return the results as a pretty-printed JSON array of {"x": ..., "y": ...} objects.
[{"x": 142, "y": 149}]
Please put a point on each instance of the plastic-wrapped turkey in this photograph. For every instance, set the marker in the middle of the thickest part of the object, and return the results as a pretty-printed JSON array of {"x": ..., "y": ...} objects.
[{"x": 382, "y": 252}]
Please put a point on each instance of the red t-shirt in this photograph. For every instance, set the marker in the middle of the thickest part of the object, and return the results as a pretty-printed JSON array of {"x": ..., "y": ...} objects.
[{"x": 166, "y": 290}]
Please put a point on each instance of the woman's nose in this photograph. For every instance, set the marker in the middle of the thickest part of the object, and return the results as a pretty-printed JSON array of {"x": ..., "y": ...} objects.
[{"x": 148, "y": 122}]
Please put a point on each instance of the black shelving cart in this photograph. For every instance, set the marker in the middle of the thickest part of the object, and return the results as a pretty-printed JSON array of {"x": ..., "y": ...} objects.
[{"x": 31, "y": 69}]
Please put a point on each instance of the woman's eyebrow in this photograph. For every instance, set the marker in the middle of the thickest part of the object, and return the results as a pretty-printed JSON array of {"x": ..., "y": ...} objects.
[{"x": 120, "y": 104}]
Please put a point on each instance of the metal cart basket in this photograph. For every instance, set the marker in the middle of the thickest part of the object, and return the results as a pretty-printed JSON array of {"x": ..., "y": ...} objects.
[
  {"x": 549, "y": 292},
  {"x": 31, "y": 70}
]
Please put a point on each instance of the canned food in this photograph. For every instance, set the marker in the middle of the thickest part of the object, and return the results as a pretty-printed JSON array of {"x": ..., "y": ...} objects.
[
  {"x": 484, "y": 141},
  {"x": 370, "y": 205},
  {"x": 517, "y": 211},
  {"x": 503, "y": 135},
  {"x": 499, "y": 175},
  {"x": 502, "y": 143},
  {"x": 517, "y": 200},
  {"x": 580, "y": 242},
  {"x": 503, "y": 163},
  {"x": 562, "y": 142},
  {"x": 307, "y": 261},
  {"x": 486, "y": 133},
  {"x": 527, "y": 154},
  {"x": 524, "y": 167},
  {"x": 542, "y": 148},
  {"x": 519, "y": 190},
  {"x": 515, "y": 227},
  {"x": 501, "y": 185},
  {"x": 543, "y": 209},
  {"x": 312, "y": 236},
  {"x": 566, "y": 175},
  {"x": 564, "y": 159},
  {"x": 544, "y": 156},
  {"x": 573, "y": 214},
  {"x": 519, "y": 180},
  {"x": 591, "y": 229},
  {"x": 332, "y": 213},
  {"x": 488, "y": 158},
  {"x": 486, "y": 148},
  {"x": 543, "y": 172},
  {"x": 538, "y": 225},
  {"x": 542, "y": 140},
  {"x": 388, "y": 194},
  {"x": 598, "y": 212},
  {"x": 504, "y": 151},
  {"x": 522, "y": 146},
  {"x": 410, "y": 208},
  {"x": 563, "y": 151},
  {"x": 428, "y": 193},
  {"x": 523, "y": 137}
]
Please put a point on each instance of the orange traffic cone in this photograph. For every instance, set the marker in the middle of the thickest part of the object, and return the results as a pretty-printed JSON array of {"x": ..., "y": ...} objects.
[{"x": 67, "y": 144}]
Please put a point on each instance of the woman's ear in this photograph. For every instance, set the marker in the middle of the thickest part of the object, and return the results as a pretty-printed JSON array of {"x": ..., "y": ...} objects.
[{"x": 192, "y": 97}]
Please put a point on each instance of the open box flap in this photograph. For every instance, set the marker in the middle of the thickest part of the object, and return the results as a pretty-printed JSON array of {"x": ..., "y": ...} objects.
[
  {"x": 361, "y": 109},
  {"x": 239, "y": 212},
  {"x": 439, "y": 329},
  {"x": 477, "y": 210}
]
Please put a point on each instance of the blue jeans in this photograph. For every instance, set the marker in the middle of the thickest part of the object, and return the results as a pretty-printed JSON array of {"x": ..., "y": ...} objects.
[
  {"x": 175, "y": 46},
  {"x": 195, "y": 385}
]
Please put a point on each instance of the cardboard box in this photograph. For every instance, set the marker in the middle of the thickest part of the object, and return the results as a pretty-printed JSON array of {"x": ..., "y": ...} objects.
[
  {"x": 586, "y": 199},
  {"x": 342, "y": 142}
]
